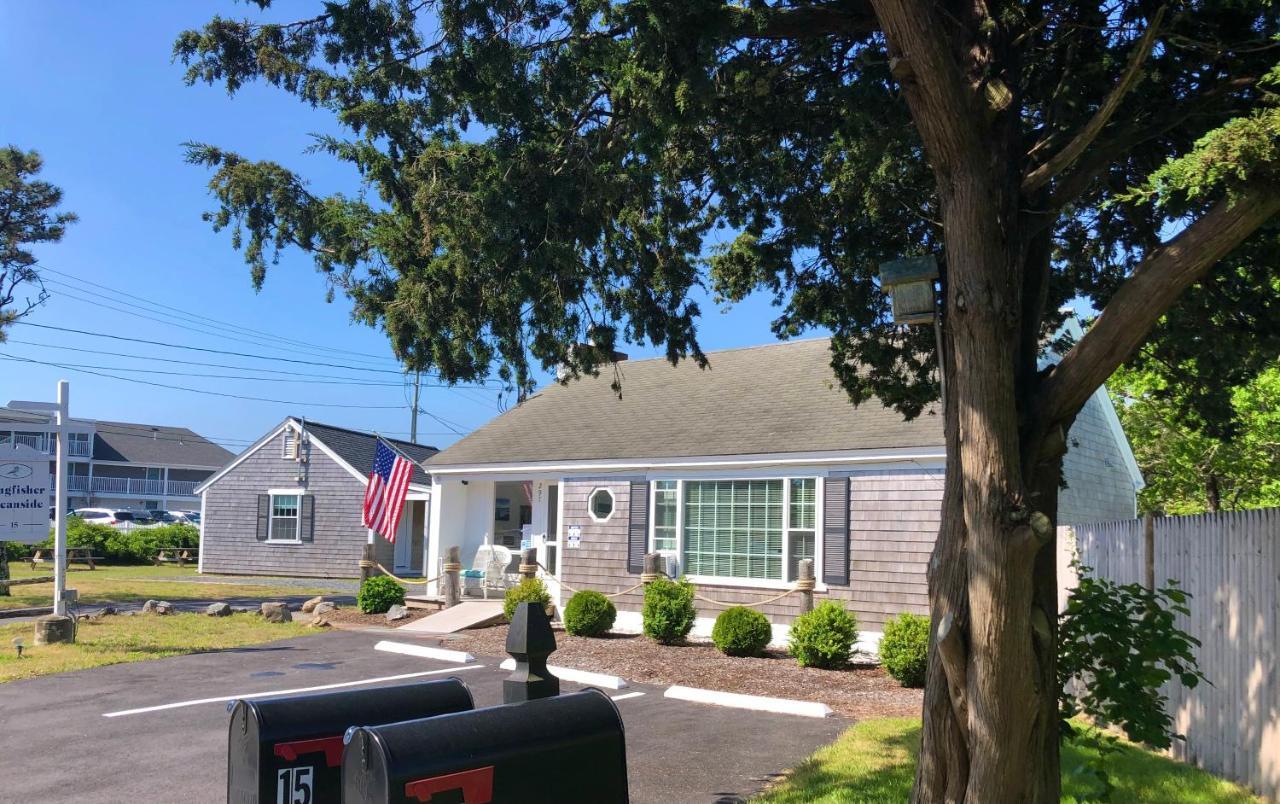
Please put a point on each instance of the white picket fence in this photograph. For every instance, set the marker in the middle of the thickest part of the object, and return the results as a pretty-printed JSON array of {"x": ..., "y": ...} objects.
[{"x": 1230, "y": 565}]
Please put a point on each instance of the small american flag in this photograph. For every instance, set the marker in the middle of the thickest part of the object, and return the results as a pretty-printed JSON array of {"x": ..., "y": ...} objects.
[{"x": 384, "y": 498}]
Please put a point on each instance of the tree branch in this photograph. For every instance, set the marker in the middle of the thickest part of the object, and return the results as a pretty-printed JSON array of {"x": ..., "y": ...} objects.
[
  {"x": 1155, "y": 285},
  {"x": 805, "y": 22},
  {"x": 1041, "y": 175}
]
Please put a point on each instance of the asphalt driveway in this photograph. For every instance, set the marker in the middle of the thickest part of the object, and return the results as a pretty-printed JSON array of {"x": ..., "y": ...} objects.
[{"x": 59, "y": 744}]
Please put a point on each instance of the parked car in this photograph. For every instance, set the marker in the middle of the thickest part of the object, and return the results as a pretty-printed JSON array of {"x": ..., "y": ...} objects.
[
  {"x": 115, "y": 517},
  {"x": 163, "y": 517}
]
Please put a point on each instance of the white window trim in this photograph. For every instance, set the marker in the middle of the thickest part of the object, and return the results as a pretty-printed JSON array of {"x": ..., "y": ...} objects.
[
  {"x": 271, "y": 519},
  {"x": 750, "y": 583},
  {"x": 613, "y": 507}
]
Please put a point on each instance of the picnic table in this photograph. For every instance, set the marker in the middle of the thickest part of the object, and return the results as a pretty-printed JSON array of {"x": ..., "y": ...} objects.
[
  {"x": 78, "y": 555},
  {"x": 180, "y": 555}
]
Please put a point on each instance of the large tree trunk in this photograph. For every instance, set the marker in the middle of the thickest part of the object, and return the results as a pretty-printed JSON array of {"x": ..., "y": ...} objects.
[{"x": 4, "y": 569}]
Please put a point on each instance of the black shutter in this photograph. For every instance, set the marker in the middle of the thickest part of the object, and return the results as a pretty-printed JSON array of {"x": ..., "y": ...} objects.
[
  {"x": 835, "y": 531},
  {"x": 264, "y": 516},
  {"x": 307, "y": 527},
  {"x": 638, "y": 527}
]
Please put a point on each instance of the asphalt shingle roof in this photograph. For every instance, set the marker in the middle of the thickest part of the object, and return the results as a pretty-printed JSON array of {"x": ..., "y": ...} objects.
[
  {"x": 357, "y": 448},
  {"x": 154, "y": 445},
  {"x": 777, "y": 398}
]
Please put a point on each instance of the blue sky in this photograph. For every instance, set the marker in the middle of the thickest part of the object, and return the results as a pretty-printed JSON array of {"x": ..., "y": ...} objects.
[{"x": 91, "y": 87}]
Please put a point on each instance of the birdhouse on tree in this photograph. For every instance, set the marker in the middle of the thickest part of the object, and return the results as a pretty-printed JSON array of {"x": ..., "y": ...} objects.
[{"x": 909, "y": 283}]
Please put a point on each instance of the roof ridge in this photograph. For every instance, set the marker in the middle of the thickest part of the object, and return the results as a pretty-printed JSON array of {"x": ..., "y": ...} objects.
[{"x": 365, "y": 433}]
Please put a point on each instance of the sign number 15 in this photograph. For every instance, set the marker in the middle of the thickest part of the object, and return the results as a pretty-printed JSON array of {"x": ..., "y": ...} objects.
[{"x": 293, "y": 786}]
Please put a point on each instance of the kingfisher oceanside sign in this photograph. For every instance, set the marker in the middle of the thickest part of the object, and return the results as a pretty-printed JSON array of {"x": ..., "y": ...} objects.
[{"x": 24, "y": 494}]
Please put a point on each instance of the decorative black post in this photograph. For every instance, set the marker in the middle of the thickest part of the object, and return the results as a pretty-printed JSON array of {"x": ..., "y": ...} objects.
[{"x": 530, "y": 641}]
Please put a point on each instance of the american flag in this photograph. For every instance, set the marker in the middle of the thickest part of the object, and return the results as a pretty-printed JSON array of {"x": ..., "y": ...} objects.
[{"x": 384, "y": 498}]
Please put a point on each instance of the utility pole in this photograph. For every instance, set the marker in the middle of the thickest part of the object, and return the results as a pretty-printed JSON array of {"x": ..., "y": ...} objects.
[{"x": 413, "y": 422}]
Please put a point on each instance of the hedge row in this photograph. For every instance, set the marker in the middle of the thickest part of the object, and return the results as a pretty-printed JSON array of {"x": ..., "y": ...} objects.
[{"x": 134, "y": 546}]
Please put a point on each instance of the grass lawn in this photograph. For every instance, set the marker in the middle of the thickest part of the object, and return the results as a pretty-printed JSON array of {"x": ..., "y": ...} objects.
[
  {"x": 113, "y": 640},
  {"x": 124, "y": 584},
  {"x": 874, "y": 762}
]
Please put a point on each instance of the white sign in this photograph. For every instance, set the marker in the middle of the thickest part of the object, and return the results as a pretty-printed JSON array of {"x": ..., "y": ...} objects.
[
  {"x": 25, "y": 487},
  {"x": 574, "y": 540}
]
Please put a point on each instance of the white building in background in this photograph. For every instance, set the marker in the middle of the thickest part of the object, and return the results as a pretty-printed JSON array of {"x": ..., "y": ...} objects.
[{"x": 119, "y": 464}]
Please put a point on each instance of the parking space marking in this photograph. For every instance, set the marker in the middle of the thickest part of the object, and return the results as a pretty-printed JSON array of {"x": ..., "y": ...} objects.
[
  {"x": 226, "y": 698},
  {"x": 627, "y": 695}
]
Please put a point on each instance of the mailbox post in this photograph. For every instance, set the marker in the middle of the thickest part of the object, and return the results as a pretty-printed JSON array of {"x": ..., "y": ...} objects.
[
  {"x": 530, "y": 641},
  {"x": 563, "y": 750},
  {"x": 287, "y": 749}
]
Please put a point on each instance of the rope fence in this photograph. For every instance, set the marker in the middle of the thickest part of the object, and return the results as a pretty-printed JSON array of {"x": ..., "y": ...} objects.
[
  {"x": 800, "y": 586},
  {"x": 803, "y": 585}
]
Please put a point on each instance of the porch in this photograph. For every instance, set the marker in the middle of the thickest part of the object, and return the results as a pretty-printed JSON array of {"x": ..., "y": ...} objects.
[{"x": 510, "y": 512}]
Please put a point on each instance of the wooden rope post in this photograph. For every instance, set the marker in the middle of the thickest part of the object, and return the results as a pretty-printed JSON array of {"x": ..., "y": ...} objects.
[
  {"x": 805, "y": 584},
  {"x": 652, "y": 568},
  {"x": 529, "y": 562},
  {"x": 367, "y": 563},
  {"x": 453, "y": 577}
]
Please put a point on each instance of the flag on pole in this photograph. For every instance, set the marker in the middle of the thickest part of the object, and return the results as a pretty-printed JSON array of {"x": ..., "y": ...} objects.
[{"x": 384, "y": 497}]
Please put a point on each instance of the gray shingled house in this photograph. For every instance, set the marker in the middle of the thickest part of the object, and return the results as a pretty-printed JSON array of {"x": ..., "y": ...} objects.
[
  {"x": 735, "y": 473},
  {"x": 290, "y": 504}
]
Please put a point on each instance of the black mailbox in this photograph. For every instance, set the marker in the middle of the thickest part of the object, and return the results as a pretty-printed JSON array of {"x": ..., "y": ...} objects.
[
  {"x": 564, "y": 749},
  {"x": 287, "y": 749}
]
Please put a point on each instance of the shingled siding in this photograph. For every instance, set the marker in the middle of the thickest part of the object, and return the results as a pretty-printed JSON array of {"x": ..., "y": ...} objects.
[
  {"x": 893, "y": 523},
  {"x": 1099, "y": 487},
  {"x": 230, "y": 519}
]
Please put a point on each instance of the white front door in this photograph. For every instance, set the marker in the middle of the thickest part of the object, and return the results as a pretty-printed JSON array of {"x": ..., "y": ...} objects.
[{"x": 549, "y": 546}]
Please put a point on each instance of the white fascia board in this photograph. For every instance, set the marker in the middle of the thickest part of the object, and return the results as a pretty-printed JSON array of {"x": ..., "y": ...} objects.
[
  {"x": 150, "y": 464},
  {"x": 239, "y": 459},
  {"x": 764, "y": 460}
]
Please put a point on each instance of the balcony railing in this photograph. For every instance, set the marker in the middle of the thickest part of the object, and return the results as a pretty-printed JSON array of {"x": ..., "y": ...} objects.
[
  {"x": 44, "y": 443},
  {"x": 132, "y": 486}
]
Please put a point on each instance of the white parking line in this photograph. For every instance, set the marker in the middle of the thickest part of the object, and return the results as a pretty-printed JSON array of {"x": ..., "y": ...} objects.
[
  {"x": 760, "y": 703},
  {"x": 225, "y": 698},
  {"x": 425, "y": 652},
  {"x": 627, "y": 695}
]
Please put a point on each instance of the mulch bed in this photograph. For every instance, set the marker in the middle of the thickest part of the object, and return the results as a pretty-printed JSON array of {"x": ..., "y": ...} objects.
[{"x": 857, "y": 692}]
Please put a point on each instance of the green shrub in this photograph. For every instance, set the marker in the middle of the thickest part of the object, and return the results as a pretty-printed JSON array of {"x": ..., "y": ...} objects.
[
  {"x": 904, "y": 650},
  {"x": 529, "y": 590},
  {"x": 668, "y": 611},
  {"x": 823, "y": 637},
  {"x": 741, "y": 631},
  {"x": 378, "y": 594},
  {"x": 589, "y": 613}
]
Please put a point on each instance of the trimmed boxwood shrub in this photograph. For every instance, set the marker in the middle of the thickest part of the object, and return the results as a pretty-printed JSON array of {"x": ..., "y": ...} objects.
[
  {"x": 378, "y": 594},
  {"x": 741, "y": 631},
  {"x": 824, "y": 637},
  {"x": 668, "y": 611},
  {"x": 904, "y": 650},
  {"x": 589, "y": 613},
  {"x": 529, "y": 590}
]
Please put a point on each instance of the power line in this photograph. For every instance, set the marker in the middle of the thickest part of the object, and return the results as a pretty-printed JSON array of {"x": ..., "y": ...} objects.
[
  {"x": 206, "y": 392},
  {"x": 212, "y": 321},
  {"x": 100, "y": 304},
  {"x": 222, "y": 376},
  {"x": 289, "y": 372},
  {"x": 207, "y": 350},
  {"x": 211, "y": 351}
]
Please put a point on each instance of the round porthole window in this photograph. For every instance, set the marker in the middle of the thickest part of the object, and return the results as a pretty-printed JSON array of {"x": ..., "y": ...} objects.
[{"x": 601, "y": 504}]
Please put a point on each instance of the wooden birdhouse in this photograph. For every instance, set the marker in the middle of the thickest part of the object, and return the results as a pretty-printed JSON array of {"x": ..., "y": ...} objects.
[{"x": 909, "y": 283}]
